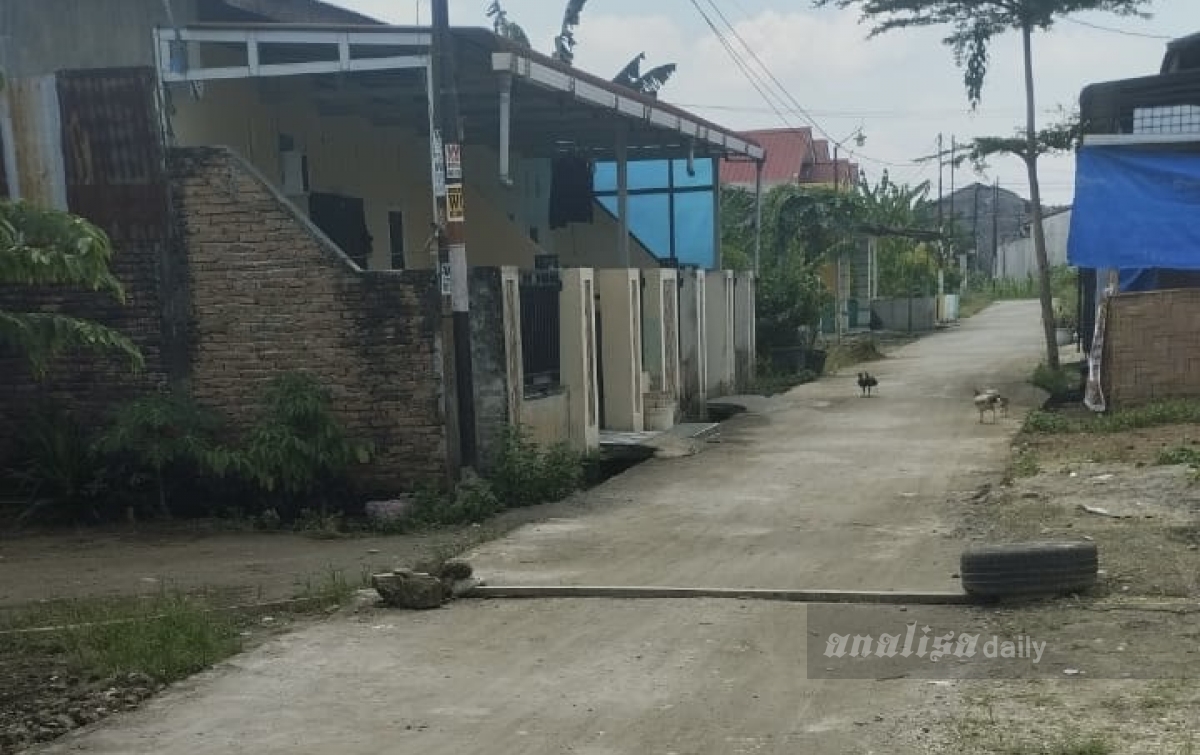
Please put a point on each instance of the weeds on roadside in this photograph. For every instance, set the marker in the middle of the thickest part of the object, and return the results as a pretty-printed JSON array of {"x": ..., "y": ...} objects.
[
  {"x": 851, "y": 352},
  {"x": 1170, "y": 412},
  {"x": 771, "y": 382},
  {"x": 1025, "y": 463},
  {"x": 167, "y": 637},
  {"x": 1058, "y": 382},
  {"x": 524, "y": 474},
  {"x": 1179, "y": 455},
  {"x": 331, "y": 587}
]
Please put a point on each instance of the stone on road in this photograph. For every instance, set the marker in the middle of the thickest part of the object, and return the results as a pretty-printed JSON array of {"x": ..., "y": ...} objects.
[{"x": 828, "y": 490}]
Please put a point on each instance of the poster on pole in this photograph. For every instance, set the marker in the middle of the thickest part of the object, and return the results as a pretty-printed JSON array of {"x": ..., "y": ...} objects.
[
  {"x": 454, "y": 163},
  {"x": 455, "y": 204},
  {"x": 445, "y": 279},
  {"x": 439, "y": 166}
]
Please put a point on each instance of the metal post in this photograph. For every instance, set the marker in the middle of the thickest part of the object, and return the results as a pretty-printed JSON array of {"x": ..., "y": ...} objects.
[
  {"x": 451, "y": 232},
  {"x": 939, "y": 157},
  {"x": 622, "y": 195},
  {"x": 758, "y": 208},
  {"x": 505, "y": 128},
  {"x": 715, "y": 167},
  {"x": 996, "y": 228}
]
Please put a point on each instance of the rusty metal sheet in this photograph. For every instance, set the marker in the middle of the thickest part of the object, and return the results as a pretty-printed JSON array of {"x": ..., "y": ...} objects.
[{"x": 113, "y": 151}]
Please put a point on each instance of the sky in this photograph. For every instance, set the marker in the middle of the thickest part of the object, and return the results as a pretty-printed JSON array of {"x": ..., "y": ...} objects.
[{"x": 901, "y": 89}]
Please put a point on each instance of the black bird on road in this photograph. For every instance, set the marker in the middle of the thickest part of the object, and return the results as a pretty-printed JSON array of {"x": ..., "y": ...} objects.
[{"x": 866, "y": 381}]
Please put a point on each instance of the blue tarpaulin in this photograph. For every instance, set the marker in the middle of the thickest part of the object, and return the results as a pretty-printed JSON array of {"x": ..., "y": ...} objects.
[{"x": 1137, "y": 211}]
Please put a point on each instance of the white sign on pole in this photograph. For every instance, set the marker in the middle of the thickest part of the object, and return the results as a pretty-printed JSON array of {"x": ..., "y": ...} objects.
[
  {"x": 453, "y": 163},
  {"x": 439, "y": 165}
]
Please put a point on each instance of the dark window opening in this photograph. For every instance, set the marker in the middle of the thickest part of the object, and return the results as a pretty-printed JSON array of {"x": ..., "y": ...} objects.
[
  {"x": 540, "y": 331},
  {"x": 396, "y": 238}
]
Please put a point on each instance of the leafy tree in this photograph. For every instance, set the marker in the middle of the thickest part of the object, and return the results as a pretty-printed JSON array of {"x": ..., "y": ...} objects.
[
  {"x": 974, "y": 24},
  {"x": 43, "y": 248},
  {"x": 1054, "y": 139},
  {"x": 893, "y": 212},
  {"x": 802, "y": 227}
]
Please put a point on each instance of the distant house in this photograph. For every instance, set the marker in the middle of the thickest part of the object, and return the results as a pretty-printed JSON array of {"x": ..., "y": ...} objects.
[
  {"x": 989, "y": 215},
  {"x": 793, "y": 157}
]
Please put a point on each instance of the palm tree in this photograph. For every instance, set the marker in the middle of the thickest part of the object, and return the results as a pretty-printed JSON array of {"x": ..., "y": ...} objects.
[{"x": 564, "y": 43}]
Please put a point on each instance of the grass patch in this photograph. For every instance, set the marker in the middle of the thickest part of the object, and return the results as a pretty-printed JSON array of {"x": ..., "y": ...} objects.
[
  {"x": 771, "y": 382},
  {"x": 973, "y": 302},
  {"x": 331, "y": 587},
  {"x": 1179, "y": 455},
  {"x": 1170, "y": 412},
  {"x": 852, "y": 352},
  {"x": 166, "y": 637},
  {"x": 1058, "y": 382},
  {"x": 1069, "y": 746},
  {"x": 1025, "y": 464}
]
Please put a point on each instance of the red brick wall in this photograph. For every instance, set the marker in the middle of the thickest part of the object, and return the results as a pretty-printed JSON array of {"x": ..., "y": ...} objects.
[
  {"x": 270, "y": 294},
  {"x": 1152, "y": 347}
]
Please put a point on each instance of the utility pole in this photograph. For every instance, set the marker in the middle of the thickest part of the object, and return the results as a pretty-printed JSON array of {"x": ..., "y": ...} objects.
[
  {"x": 446, "y": 140},
  {"x": 996, "y": 227},
  {"x": 939, "y": 157},
  {"x": 953, "y": 151}
]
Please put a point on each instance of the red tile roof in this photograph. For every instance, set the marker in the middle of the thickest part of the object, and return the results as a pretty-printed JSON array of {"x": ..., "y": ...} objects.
[
  {"x": 787, "y": 150},
  {"x": 793, "y": 156}
]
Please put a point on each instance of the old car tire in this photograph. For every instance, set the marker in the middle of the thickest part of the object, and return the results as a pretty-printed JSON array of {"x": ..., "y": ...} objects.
[{"x": 1029, "y": 569}]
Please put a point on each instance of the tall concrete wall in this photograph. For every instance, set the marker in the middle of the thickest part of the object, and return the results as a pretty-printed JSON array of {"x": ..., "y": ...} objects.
[
  {"x": 1017, "y": 259},
  {"x": 271, "y": 294},
  {"x": 917, "y": 314}
]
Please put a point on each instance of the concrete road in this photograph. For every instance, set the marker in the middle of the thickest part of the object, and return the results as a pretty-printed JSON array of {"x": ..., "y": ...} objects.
[{"x": 829, "y": 490}]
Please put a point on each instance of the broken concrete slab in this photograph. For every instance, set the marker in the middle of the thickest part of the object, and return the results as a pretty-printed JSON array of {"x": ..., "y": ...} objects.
[{"x": 412, "y": 590}]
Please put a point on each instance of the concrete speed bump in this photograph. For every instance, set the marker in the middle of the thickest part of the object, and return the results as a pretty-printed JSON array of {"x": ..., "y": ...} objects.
[{"x": 666, "y": 593}]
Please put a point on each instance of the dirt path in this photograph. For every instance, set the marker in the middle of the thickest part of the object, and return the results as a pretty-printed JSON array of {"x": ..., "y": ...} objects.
[{"x": 827, "y": 490}]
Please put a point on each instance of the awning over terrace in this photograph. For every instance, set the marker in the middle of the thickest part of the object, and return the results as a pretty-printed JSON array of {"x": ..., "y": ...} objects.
[
  {"x": 554, "y": 107},
  {"x": 510, "y": 98}
]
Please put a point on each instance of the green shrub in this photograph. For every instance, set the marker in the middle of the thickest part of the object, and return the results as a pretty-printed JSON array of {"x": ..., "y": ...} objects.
[
  {"x": 472, "y": 502},
  {"x": 298, "y": 448},
  {"x": 524, "y": 474},
  {"x": 169, "y": 432},
  {"x": 57, "y": 471}
]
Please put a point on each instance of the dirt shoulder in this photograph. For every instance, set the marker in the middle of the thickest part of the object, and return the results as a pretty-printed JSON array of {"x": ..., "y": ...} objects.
[{"x": 1135, "y": 643}]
